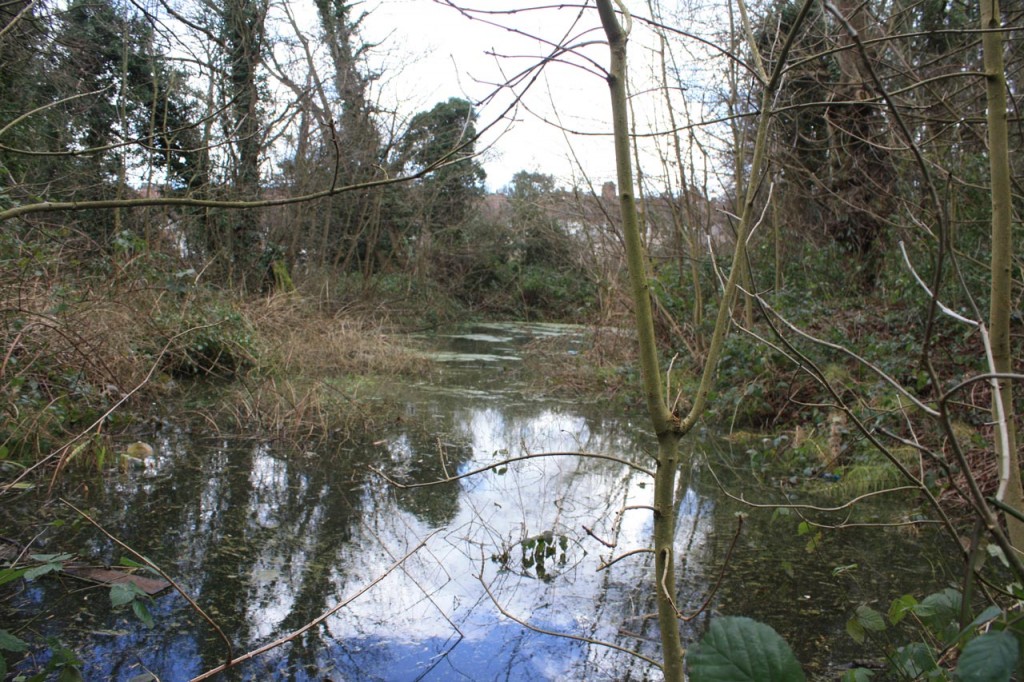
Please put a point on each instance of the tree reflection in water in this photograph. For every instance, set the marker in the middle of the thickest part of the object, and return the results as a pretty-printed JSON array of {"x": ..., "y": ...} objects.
[{"x": 267, "y": 539}]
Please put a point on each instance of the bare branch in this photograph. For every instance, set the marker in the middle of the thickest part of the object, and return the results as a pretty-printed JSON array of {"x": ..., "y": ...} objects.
[
  {"x": 319, "y": 619},
  {"x": 508, "y": 460},
  {"x": 163, "y": 574}
]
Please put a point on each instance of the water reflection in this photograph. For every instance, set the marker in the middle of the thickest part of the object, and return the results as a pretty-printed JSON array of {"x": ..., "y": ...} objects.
[{"x": 267, "y": 539}]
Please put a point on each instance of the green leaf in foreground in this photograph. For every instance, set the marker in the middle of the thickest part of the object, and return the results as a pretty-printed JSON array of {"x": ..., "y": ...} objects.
[
  {"x": 41, "y": 570},
  {"x": 855, "y": 630},
  {"x": 989, "y": 658},
  {"x": 901, "y": 606},
  {"x": 864, "y": 619},
  {"x": 9, "y": 574},
  {"x": 124, "y": 593},
  {"x": 914, "y": 660},
  {"x": 9, "y": 642},
  {"x": 936, "y": 610},
  {"x": 737, "y": 649},
  {"x": 143, "y": 613}
]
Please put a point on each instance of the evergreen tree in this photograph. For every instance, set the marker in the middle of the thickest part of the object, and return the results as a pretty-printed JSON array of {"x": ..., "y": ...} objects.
[{"x": 444, "y": 139}]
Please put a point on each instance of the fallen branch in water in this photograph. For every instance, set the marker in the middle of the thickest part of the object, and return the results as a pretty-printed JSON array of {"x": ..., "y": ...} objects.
[
  {"x": 509, "y": 460},
  {"x": 316, "y": 621},
  {"x": 163, "y": 574},
  {"x": 563, "y": 635}
]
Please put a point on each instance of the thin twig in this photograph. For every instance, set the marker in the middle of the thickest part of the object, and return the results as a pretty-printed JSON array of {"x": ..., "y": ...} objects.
[
  {"x": 316, "y": 621},
  {"x": 721, "y": 573},
  {"x": 663, "y": 581},
  {"x": 505, "y": 462},
  {"x": 942, "y": 306},
  {"x": 564, "y": 635},
  {"x": 102, "y": 418},
  {"x": 610, "y": 545},
  {"x": 632, "y": 552},
  {"x": 163, "y": 574}
]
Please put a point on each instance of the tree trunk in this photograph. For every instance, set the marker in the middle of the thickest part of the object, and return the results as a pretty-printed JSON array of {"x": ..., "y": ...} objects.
[
  {"x": 668, "y": 427},
  {"x": 244, "y": 31},
  {"x": 668, "y": 437},
  {"x": 1002, "y": 251}
]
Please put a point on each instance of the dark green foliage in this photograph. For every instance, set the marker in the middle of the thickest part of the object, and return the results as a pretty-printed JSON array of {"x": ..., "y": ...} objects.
[
  {"x": 243, "y": 30},
  {"x": 442, "y": 142},
  {"x": 992, "y": 657},
  {"x": 206, "y": 336},
  {"x": 63, "y": 665},
  {"x": 988, "y": 646},
  {"x": 536, "y": 234},
  {"x": 522, "y": 261},
  {"x": 737, "y": 649},
  {"x": 22, "y": 59},
  {"x": 9, "y": 644},
  {"x": 244, "y": 34},
  {"x": 94, "y": 73},
  {"x": 837, "y": 175},
  {"x": 84, "y": 326}
]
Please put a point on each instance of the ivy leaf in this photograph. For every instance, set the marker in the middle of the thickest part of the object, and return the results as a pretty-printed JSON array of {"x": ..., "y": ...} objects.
[
  {"x": 737, "y": 649},
  {"x": 989, "y": 658}
]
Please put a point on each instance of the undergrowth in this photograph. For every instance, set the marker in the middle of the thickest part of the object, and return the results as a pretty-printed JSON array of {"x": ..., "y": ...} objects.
[{"x": 95, "y": 341}]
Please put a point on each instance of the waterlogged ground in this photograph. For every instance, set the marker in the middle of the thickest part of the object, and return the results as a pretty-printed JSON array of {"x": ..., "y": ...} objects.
[{"x": 458, "y": 581}]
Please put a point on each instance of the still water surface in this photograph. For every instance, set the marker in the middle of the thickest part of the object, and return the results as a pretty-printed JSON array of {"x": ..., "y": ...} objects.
[{"x": 454, "y": 581}]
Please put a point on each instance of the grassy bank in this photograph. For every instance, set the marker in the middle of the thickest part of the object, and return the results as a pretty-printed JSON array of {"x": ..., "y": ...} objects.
[
  {"x": 98, "y": 342},
  {"x": 95, "y": 346}
]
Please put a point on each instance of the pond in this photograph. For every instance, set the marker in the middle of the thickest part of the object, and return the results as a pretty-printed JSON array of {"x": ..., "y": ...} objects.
[{"x": 463, "y": 580}]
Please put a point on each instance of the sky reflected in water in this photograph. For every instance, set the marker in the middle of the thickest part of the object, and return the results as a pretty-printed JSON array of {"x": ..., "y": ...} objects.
[{"x": 266, "y": 539}]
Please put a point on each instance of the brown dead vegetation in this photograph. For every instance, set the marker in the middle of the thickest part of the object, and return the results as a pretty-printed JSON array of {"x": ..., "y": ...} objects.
[
  {"x": 317, "y": 372},
  {"x": 602, "y": 367},
  {"x": 92, "y": 345}
]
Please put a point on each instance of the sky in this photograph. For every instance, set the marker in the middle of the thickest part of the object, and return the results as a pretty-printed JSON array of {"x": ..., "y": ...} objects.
[
  {"x": 430, "y": 52},
  {"x": 556, "y": 119}
]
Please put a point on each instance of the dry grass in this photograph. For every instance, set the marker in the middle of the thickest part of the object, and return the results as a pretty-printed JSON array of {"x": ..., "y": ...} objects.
[
  {"x": 298, "y": 338},
  {"x": 96, "y": 337},
  {"x": 77, "y": 342},
  {"x": 77, "y": 350},
  {"x": 601, "y": 367},
  {"x": 315, "y": 374}
]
